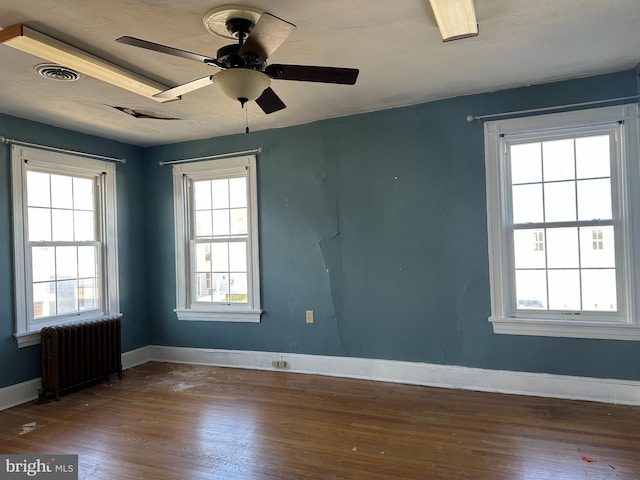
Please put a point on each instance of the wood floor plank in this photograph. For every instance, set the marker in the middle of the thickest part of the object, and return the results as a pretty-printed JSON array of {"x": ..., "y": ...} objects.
[{"x": 168, "y": 421}]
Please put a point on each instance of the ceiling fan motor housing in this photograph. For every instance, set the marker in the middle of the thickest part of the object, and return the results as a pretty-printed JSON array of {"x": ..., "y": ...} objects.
[{"x": 230, "y": 58}]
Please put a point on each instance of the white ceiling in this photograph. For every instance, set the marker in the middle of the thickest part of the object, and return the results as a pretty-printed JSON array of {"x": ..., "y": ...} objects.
[{"x": 395, "y": 44}]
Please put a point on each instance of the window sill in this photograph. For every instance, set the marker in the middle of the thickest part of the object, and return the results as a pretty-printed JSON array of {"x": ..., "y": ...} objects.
[
  {"x": 27, "y": 339},
  {"x": 551, "y": 328},
  {"x": 228, "y": 315}
]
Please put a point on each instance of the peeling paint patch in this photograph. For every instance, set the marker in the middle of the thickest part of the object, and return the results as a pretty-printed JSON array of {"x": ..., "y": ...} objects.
[
  {"x": 329, "y": 247},
  {"x": 136, "y": 113}
]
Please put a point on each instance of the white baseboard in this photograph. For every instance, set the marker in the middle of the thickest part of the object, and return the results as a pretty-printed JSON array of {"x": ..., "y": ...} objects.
[
  {"x": 19, "y": 393},
  {"x": 625, "y": 392},
  {"x": 133, "y": 358}
]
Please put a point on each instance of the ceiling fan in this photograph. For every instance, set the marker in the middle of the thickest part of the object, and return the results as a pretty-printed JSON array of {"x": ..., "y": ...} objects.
[{"x": 244, "y": 73}]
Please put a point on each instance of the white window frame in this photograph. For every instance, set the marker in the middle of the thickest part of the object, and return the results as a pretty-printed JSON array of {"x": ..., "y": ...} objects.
[
  {"x": 625, "y": 185},
  {"x": 183, "y": 176},
  {"x": 27, "y": 329}
]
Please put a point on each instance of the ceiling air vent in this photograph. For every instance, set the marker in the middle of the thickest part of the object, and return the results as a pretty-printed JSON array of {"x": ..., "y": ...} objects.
[{"x": 57, "y": 72}]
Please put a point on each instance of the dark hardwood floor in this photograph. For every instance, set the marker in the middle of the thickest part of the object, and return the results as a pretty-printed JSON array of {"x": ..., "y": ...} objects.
[{"x": 167, "y": 421}]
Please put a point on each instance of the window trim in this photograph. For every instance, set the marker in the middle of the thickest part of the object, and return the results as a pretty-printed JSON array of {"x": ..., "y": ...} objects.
[
  {"x": 25, "y": 333},
  {"x": 628, "y": 183},
  {"x": 210, "y": 169}
]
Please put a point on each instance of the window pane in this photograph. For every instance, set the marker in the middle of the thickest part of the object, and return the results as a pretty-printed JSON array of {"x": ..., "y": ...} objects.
[
  {"x": 39, "y": 224},
  {"x": 564, "y": 290},
  {"x": 219, "y": 257},
  {"x": 87, "y": 294},
  {"x": 204, "y": 227},
  {"x": 560, "y": 201},
  {"x": 43, "y": 262},
  {"x": 531, "y": 289},
  {"x": 220, "y": 222},
  {"x": 526, "y": 166},
  {"x": 562, "y": 248},
  {"x": 527, "y": 203},
  {"x": 66, "y": 263},
  {"x": 62, "y": 222},
  {"x": 87, "y": 265},
  {"x": 237, "y": 192},
  {"x": 83, "y": 194},
  {"x": 558, "y": 160},
  {"x": 597, "y": 247},
  {"x": 593, "y": 157},
  {"x": 203, "y": 257},
  {"x": 238, "y": 221},
  {"x": 203, "y": 287},
  {"x": 220, "y": 193},
  {"x": 599, "y": 290},
  {"x": 38, "y": 193},
  {"x": 594, "y": 199},
  {"x": 202, "y": 195},
  {"x": 67, "y": 297},
  {"x": 238, "y": 256},
  {"x": 220, "y": 287},
  {"x": 44, "y": 299},
  {"x": 61, "y": 191},
  {"x": 529, "y": 246},
  {"x": 84, "y": 226},
  {"x": 239, "y": 287}
]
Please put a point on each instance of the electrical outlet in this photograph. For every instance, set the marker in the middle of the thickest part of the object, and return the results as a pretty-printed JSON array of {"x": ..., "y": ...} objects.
[
  {"x": 309, "y": 316},
  {"x": 279, "y": 363}
]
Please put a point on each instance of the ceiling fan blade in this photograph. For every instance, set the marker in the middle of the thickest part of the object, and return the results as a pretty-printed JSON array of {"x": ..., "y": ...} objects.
[
  {"x": 156, "y": 47},
  {"x": 269, "y": 102},
  {"x": 307, "y": 73},
  {"x": 266, "y": 36},
  {"x": 180, "y": 90}
]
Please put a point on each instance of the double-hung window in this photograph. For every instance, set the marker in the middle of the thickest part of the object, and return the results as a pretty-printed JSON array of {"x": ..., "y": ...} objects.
[
  {"x": 562, "y": 205},
  {"x": 216, "y": 228},
  {"x": 65, "y": 251}
]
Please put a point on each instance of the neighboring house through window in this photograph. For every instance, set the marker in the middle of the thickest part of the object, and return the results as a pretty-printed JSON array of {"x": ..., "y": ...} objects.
[
  {"x": 570, "y": 181},
  {"x": 216, "y": 227},
  {"x": 597, "y": 238},
  {"x": 538, "y": 241},
  {"x": 65, "y": 245}
]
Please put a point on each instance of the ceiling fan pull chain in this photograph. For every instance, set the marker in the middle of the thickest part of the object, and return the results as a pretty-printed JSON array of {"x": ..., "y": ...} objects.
[{"x": 246, "y": 117}]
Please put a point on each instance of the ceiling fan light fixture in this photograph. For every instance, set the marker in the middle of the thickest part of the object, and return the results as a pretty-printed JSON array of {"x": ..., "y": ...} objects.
[
  {"x": 456, "y": 18},
  {"x": 40, "y": 45},
  {"x": 242, "y": 83}
]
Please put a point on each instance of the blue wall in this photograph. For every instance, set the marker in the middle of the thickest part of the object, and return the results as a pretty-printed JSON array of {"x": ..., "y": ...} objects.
[
  {"x": 24, "y": 364},
  {"x": 377, "y": 222}
]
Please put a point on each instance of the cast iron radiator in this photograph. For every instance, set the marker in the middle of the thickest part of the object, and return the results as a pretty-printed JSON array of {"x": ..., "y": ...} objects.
[{"x": 79, "y": 353}]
